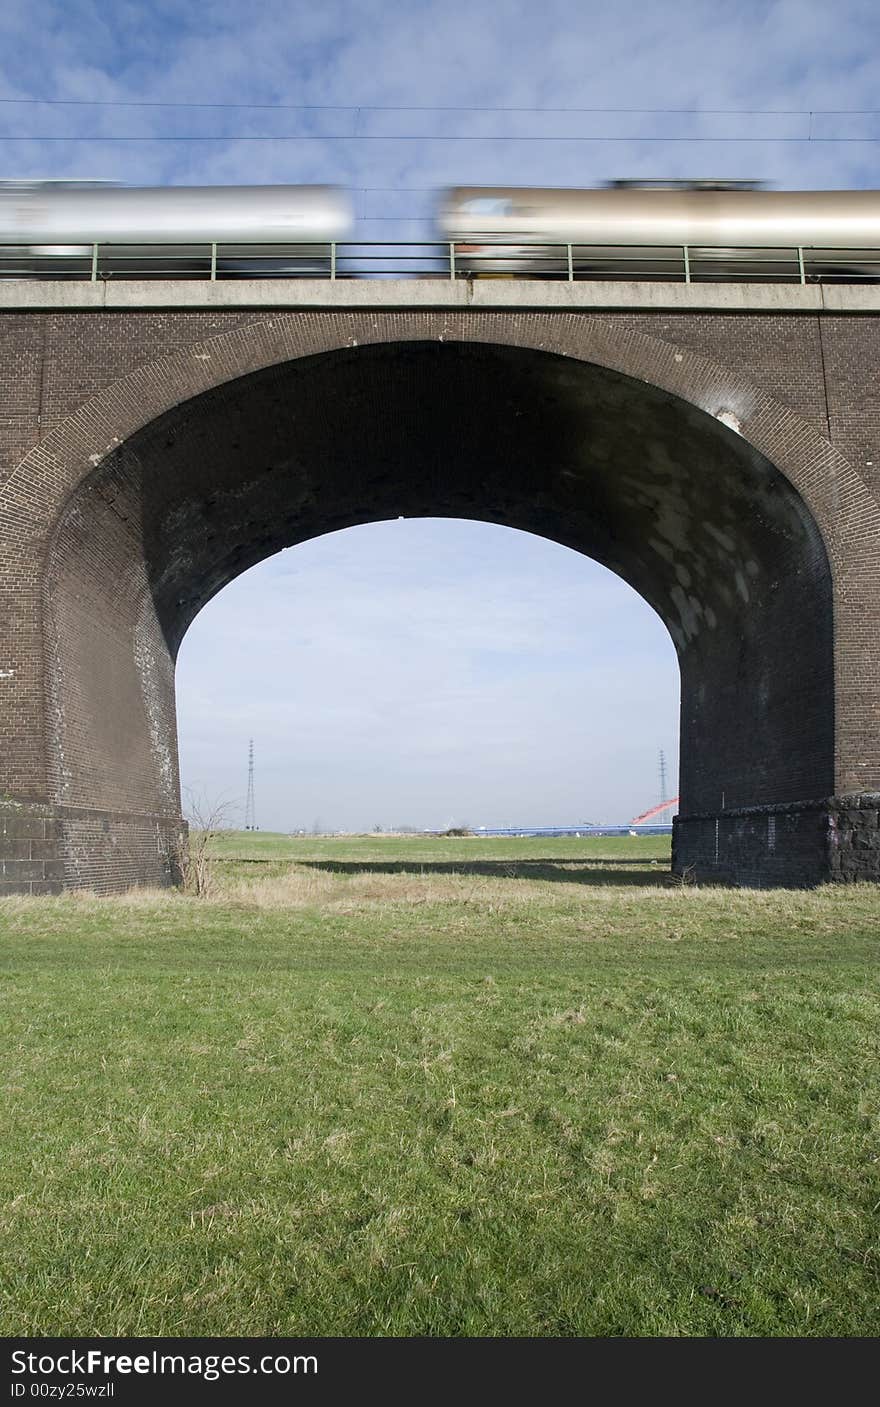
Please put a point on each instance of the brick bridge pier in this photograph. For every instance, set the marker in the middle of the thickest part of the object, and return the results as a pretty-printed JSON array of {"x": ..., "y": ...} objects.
[{"x": 717, "y": 446}]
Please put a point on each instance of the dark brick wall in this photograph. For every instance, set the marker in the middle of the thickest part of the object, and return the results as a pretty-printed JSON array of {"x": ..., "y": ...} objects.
[
  {"x": 110, "y": 681},
  {"x": 837, "y": 838},
  {"x": 31, "y": 860},
  {"x": 780, "y": 354},
  {"x": 849, "y": 361},
  {"x": 110, "y": 851},
  {"x": 85, "y": 589},
  {"x": 45, "y": 849},
  {"x": 853, "y": 838},
  {"x": 51, "y": 364}
]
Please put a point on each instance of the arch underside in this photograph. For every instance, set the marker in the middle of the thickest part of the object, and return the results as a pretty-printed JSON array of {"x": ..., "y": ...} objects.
[{"x": 703, "y": 526}]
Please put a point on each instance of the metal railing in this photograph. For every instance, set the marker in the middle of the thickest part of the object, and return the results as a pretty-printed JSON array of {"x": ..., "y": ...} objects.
[{"x": 532, "y": 260}]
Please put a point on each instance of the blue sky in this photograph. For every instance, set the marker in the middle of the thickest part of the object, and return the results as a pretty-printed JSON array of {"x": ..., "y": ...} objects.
[{"x": 425, "y": 672}]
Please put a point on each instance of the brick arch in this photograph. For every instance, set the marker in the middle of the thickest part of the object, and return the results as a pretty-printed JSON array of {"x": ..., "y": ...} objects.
[
  {"x": 830, "y": 485},
  {"x": 840, "y": 502},
  {"x": 41, "y": 493}
]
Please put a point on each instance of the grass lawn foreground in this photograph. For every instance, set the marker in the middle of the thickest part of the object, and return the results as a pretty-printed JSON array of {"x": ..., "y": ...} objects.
[{"x": 435, "y": 1086}]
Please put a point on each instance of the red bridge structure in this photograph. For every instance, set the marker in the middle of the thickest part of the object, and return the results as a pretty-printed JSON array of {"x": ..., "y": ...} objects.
[{"x": 655, "y": 811}]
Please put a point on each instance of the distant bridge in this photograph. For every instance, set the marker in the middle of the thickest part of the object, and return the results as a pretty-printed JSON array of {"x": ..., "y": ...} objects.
[{"x": 574, "y": 831}]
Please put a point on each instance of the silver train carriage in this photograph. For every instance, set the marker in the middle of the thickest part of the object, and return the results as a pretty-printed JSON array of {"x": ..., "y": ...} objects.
[
  {"x": 696, "y": 230},
  {"x": 58, "y": 228}
]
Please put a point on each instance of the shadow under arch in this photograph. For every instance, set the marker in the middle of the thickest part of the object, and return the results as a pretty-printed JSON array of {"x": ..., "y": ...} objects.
[{"x": 700, "y": 523}]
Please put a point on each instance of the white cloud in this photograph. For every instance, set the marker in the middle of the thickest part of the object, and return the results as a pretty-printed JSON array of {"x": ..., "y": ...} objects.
[{"x": 786, "y": 54}]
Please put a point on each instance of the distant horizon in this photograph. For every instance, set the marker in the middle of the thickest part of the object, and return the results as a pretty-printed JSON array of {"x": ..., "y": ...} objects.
[{"x": 576, "y": 827}]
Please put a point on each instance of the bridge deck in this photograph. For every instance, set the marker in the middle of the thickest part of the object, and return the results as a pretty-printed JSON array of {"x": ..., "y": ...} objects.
[{"x": 36, "y": 295}]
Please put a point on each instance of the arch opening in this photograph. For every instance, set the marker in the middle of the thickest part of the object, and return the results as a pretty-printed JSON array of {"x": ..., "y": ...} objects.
[
  {"x": 426, "y": 673},
  {"x": 676, "y": 502}
]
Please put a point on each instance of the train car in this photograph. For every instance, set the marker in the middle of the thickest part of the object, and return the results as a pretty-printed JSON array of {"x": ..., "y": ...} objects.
[
  {"x": 52, "y": 228},
  {"x": 697, "y": 230}
]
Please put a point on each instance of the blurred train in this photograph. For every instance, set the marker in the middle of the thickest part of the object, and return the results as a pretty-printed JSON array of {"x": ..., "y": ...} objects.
[
  {"x": 672, "y": 230},
  {"x": 49, "y": 229},
  {"x": 701, "y": 230}
]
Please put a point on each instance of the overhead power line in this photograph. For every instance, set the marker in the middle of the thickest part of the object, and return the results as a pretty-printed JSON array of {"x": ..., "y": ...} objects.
[
  {"x": 428, "y": 137},
  {"x": 440, "y": 107}
]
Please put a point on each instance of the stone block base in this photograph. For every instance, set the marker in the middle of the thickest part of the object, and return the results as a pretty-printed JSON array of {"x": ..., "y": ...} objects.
[
  {"x": 45, "y": 849},
  {"x": 793, "y": 846}
]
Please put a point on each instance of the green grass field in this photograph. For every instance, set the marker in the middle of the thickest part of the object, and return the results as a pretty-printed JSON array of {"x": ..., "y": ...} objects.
[{"x": 379, "y": 1086}]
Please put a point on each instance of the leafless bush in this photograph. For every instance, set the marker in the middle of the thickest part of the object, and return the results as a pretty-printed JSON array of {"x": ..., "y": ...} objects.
[
  {"x": 685, "y": 880},
  {"x": 206, "y": 819}
]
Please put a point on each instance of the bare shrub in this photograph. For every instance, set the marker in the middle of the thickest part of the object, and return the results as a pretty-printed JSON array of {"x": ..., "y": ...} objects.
[
  {"x": 685, "y": 880},
  {"x": 206, "y": 819}
]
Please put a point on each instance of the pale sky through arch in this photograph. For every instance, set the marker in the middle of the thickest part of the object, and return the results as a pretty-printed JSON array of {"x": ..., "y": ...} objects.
[{"x": 429, "y": 672}]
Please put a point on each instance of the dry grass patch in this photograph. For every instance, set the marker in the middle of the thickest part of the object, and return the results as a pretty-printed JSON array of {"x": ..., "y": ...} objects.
[{"x": 298, "y": 887}]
